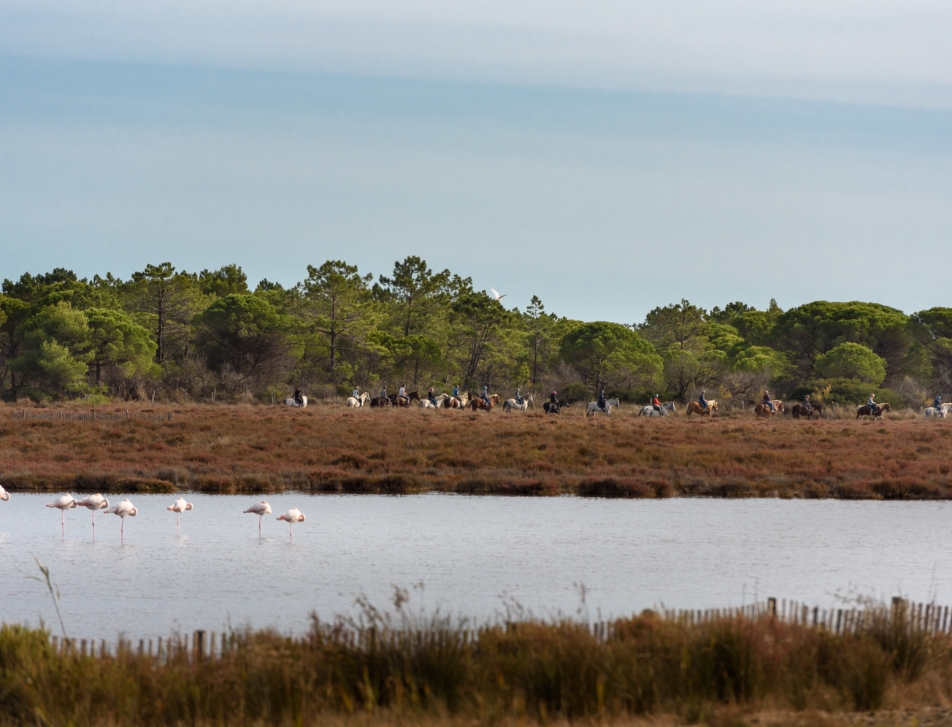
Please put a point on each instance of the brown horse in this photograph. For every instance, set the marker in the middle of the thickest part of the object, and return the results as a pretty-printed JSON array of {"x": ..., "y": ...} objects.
[
  {"x": 477, "y": 403},
  {"x": 409, "y": 396},
  {"x": 799, "y": 410},
  {"x": 695, "y": 408},
  {"x": 380, "y": 401},
  {"x": 762, "y": 410},
  {"x": 875, "y": 412}
]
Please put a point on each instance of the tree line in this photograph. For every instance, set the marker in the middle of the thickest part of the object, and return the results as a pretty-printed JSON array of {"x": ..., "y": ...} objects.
[{"x": 181, "y": 336}]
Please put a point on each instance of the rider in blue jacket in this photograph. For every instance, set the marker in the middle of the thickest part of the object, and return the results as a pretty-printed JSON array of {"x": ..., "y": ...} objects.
[
  {"x": 937, "y": 403},
  {"x": 485, "y": 394},
  {"x": 703, "y": 401}
]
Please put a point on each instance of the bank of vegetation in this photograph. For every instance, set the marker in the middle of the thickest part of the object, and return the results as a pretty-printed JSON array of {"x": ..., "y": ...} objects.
[
  {"x": 429, "y": 669},
  {"x": 172, "y": 336},
  {"x": 234, "y": 449}
]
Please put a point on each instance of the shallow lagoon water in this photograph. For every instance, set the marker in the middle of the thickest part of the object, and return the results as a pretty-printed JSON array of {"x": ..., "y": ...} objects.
[{"x": 473, "y": 555}]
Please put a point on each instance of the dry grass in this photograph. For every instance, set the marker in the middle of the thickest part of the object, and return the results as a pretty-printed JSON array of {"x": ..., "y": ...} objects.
[
  {"x": 331, "y": 449},
  {"x": 732, "y": 671}
]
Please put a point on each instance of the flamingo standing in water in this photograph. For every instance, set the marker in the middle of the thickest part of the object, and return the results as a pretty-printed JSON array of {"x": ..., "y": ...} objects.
[
  {"x": 64, "y": 503},
  {"x": 292, "y": 516},
  {"x": 94, "y": 502},
  {"x": 260, "y": 509},
  {"x": 123, "y": 509},
  {"x": 178, "y": 507},
  {"x": 4, "y": 495}
]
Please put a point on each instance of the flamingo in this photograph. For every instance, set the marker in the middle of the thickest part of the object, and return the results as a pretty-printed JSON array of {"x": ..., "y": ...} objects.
[
  {"x": 496, "y": 295},
  {"x": 123, "y": 509},
  {"x": 64, "y": 503},
  {"x": 260, "y": 509},
  {"x": 94, "y": 502},
  {"x": 179, "y": 506},
  {"x": 4, "y": 495},
  {"x": 292, "y": 516}
]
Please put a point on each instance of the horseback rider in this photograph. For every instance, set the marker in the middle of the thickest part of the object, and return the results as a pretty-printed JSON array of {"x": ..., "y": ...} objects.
[
  {"x": 431, "y": 396},
  {"x": 702, "y": 400},
  {"x": 601, "y": 399},
  {"x": 298, "y": 398},
  {"x": 769, "y": 402},
  {"x": 383, "y": 393},
  {"x": 518, "y": 398},
  {"x": 552, "y": 399},
  {"x": 806, "y": 403},
  {"x": 937, "y": 402},
  {"x": 402, "y": 394},
  {"x": 484, "y": 395},
  {"x": 356, "y": 393},
  {"x": 456, "y": 391},
  {"x": 872, "y": 404},
  {"x": 656, "y": 403}
]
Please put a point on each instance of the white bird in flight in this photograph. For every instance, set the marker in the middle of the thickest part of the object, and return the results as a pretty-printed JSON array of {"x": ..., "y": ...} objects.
[
  {"x": 64, "y": 503},
  {"x": 292, "y": 516},
  {"x": 4, "y": 495},
  {"x": 260, "y": 509},
  {"x": 497, "y": 296},
  {"x": 94, "y": 502},
  {"x": 123, "y": 509},
  {"x": 178, "y": 507}
]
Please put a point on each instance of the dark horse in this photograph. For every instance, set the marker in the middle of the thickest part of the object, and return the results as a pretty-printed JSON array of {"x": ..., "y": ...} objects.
[
  {"x": 550, "y": 408},
  {"x": 799, "y": 410},
  {"x": 380, "y": 401},
  {"x": 873, "y": 411},
  {"x": 409, "y": 396}
]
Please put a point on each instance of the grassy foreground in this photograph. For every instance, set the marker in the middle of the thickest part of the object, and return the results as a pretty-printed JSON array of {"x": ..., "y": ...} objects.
[
  {"x": 331, "y": 449},
  {"x": 435, "y": 672}
]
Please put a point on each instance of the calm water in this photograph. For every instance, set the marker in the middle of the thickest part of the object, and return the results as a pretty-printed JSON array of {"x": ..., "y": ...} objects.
[{"x": 472, "y": 555}]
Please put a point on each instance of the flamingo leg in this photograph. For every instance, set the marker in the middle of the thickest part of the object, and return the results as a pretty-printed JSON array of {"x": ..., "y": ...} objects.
[
  {"x": 290, "y": 532},
  {"x": 63, "y": 522},
  {"x": 260, "y": 518},
  {"x": 177, "y": 523}
]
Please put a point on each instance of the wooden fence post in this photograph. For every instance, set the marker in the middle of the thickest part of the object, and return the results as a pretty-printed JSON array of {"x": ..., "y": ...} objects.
[{"x": 772, "y": 607}]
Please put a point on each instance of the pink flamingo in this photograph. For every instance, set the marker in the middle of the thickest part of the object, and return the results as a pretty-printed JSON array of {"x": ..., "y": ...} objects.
[
  {"x": 4, "y": 495},
  {"x": 94, "y": 502},
  {"x": 178, "y": 507},
  {"x": 63, "y": 503},
  {"x": 260, "y": 509},
  {"x": 123, "y": 509},
  {"x": 292, "y": 516}
]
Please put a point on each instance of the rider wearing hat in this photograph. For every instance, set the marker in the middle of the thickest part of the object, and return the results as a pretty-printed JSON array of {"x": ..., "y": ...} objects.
[
  {"x": 484, "y": 394},
  {"x": 656, "y": 403}
]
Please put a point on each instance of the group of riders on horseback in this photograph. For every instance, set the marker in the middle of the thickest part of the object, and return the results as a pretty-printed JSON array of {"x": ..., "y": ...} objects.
[{"x": 554, "y": 404}]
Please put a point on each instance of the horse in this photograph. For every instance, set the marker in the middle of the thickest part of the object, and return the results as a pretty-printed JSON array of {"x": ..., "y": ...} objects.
[
  {"x": 549, "y": 408},
  {"x": 593, "y": 407},
  {"x": 799, "y": 410},
  {"x": 477, "y": 403},
  {"x": 358, "y": 400},
  {"x": 695, "y": 408},
  {"x": 440, "y": 402},
  {"x": 292, "y": 403},
  {"x": 875, "y": 412},
  {"x": 650, "y": 411},
  {"x": 396, "y": 400},
  {"x": 763, "y": 410},
  {"x": 938, "y": 412},
  {"x": 380, "y": 401},
  {"x": 455, "y": 402},
  {"x": 511, "y": 404}
]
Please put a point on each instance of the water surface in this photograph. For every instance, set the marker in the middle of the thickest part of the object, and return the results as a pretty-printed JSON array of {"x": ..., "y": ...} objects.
[{"x": 473, "y": 555}]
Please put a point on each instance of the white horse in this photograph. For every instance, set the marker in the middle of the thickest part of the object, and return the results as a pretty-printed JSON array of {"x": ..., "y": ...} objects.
[
  {"x": 358, "y": 400},
  {"x": 510, "y": 404},
  {"x": 593, "y": 409},
  {"x": 939, "y": 412},
  {"x": 427, "y": 404},
  {"x": 292, "y": 402},
  {"x": 649, "y": 411}
]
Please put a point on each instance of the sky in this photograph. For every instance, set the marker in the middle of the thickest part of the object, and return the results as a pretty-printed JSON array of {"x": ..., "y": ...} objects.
[{"x": 607, "y": 156}]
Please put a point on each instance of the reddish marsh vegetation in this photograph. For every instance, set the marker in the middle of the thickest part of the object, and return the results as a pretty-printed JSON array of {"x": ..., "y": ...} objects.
[
  {"x": 714, "y": 672},
  {"x": 329, "y": 449}
]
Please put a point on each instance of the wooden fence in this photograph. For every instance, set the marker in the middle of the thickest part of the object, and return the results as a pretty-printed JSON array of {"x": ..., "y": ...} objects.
[
  {"x": 919, "y": 617},
  {"x": 89, "y": 416}
]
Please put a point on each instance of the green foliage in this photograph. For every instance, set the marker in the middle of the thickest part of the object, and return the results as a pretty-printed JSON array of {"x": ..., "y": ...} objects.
[
  {"x": 609, "y": 352},
  {"x": 852, "y": 361},
  {"x": 205, "y": 334}
]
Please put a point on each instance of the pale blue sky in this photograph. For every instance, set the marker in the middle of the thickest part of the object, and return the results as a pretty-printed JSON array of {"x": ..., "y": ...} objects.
[{"x": 608, "y": 160}]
